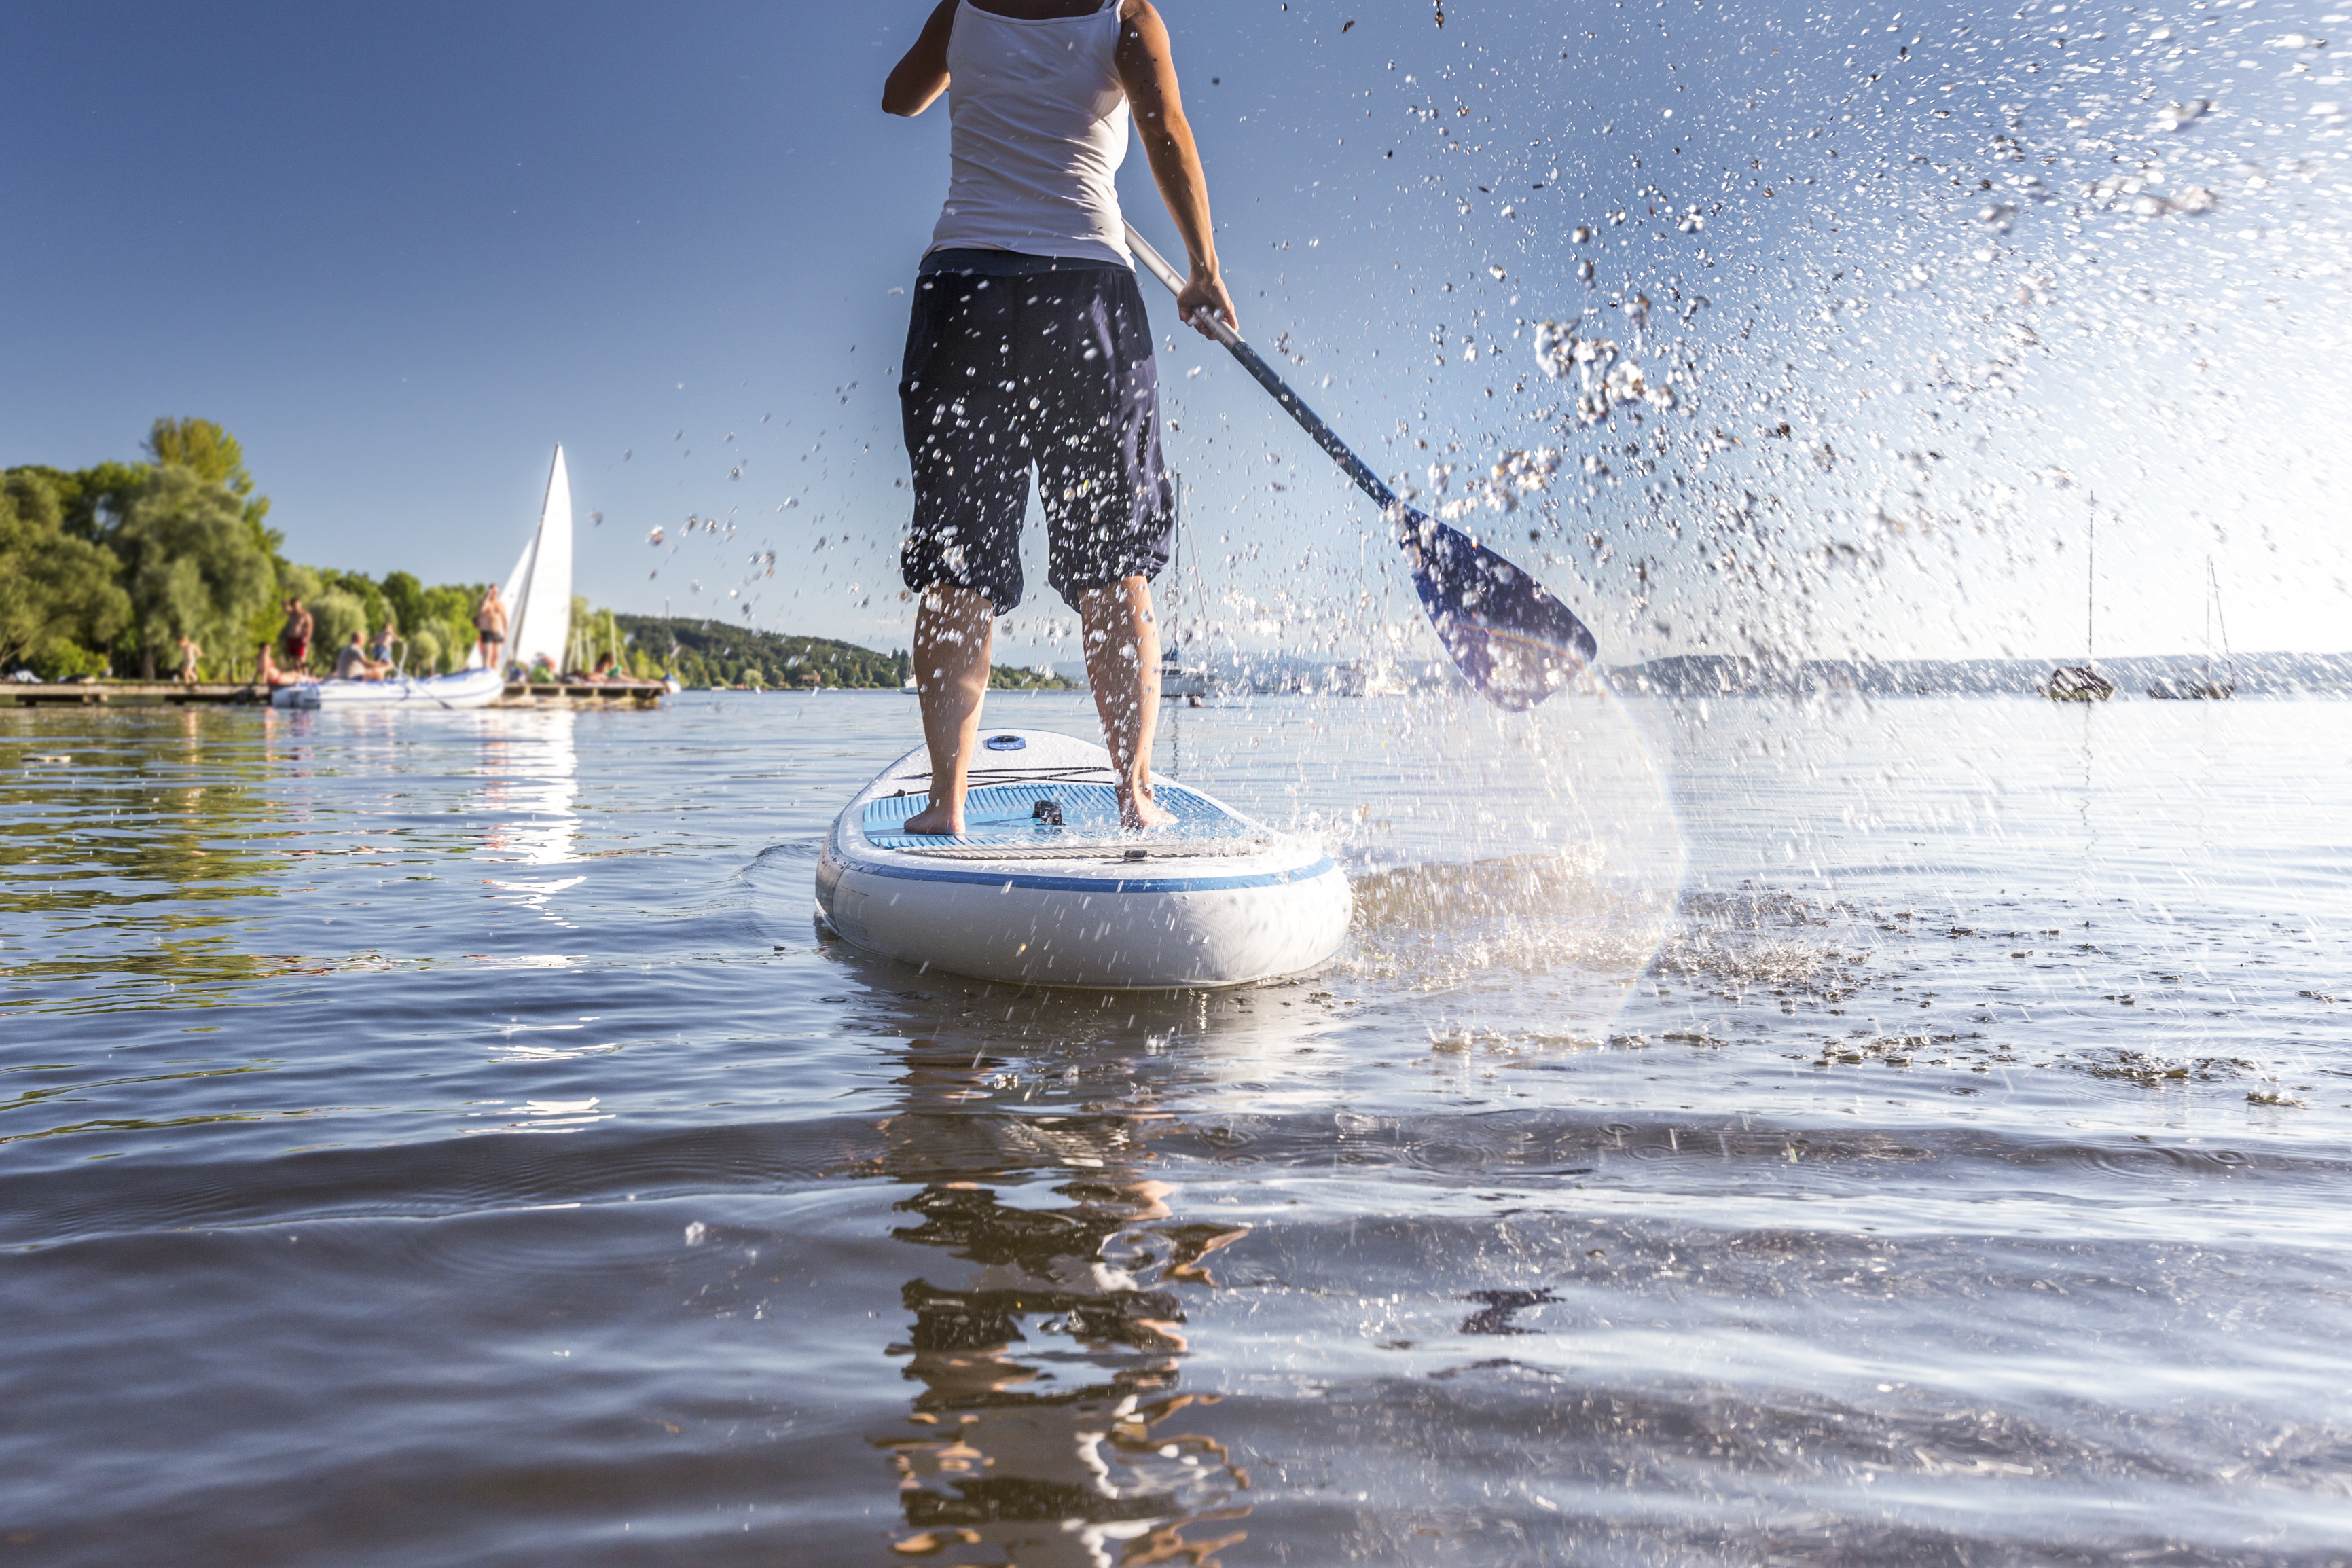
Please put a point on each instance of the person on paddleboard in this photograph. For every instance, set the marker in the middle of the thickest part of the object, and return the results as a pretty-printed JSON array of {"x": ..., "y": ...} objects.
[{"x": 1027, "y": 344}]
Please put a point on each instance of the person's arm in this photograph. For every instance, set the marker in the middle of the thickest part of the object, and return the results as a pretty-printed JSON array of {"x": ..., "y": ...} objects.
[
  {"x": 1147, "y": 69},
  {"x": 921, "y": 73}
]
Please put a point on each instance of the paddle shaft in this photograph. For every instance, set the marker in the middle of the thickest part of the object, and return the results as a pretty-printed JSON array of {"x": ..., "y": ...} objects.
[
  {"x": 1512, "y": 640},
  {"x": 1309, "y": 420}
]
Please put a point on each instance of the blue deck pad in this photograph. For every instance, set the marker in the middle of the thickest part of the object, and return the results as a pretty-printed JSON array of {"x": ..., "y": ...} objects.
[{"x": 1006, "y": 815}]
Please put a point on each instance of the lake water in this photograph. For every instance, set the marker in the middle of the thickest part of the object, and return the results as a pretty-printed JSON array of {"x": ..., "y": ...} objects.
[{"x": 1746, "y": 1133}]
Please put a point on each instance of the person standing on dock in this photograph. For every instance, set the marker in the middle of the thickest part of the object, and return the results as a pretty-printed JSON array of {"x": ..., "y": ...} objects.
[
  {"x": 491, "y": 621},
  {"x": 296, "y": 635},
  {"x": 189, "y": 655},
  {"x": 1027, "y": 343}
]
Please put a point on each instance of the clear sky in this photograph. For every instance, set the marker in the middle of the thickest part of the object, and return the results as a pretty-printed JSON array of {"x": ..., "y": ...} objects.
[{"x": 1966, "y": 254}]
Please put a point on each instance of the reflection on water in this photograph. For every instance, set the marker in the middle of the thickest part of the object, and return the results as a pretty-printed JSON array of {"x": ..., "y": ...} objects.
[
  {"x": 526, "y": 803},
  {"x": 1960, "y": 1181},
  {"x": 148, "y": 860},
  {"x": 530, "y": 780},
  {"x": 1052, "y": 1421},
  {"x": 1049, "y": 1339},
  {"x": 117, "y": 862}
]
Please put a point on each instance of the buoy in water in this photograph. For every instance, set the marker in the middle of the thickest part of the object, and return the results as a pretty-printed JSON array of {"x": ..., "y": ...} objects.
[{"x": 1046, "y": 888}]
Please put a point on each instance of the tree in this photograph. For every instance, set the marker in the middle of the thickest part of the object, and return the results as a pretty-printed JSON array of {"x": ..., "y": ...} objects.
[
  {"x": 191, "y": 564},
  {"x": 59, "y": 601},
  {"x": 335, "y": 614},
  {"x": 357, "y": 586},
  {"x": 406, "y": 597},
  {"x": 92, "y": 501},
  {"x": 203, "y": 448},
  {"x": 424, "y": 652},
  {"x": 215, "y": 456},
  {"x": 447, "y": 609}
]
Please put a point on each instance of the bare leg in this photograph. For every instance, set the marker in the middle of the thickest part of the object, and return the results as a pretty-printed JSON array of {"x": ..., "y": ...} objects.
[
  {"x": 1122, "y": 645},
  {"x": 954, "y": 628}
]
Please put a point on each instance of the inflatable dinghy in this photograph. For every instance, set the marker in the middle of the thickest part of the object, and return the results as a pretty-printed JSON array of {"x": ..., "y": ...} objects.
[
  {"x": 1046, "y": 888},
  {"x": 468, "y": 688}
]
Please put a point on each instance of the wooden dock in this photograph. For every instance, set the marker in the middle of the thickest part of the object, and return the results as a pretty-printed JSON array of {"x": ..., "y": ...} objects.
[
  {"x": 558, "y": 693},
  {"x": 225, "y": 693}
]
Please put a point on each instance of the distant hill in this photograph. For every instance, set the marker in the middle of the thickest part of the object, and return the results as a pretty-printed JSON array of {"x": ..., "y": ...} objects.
[
  {"x": 712, "y": 653},
  {"x": 1720, "y": 675}
]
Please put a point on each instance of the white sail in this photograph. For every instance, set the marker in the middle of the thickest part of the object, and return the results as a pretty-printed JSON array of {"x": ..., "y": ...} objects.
[{"x": 539, "y": 592}]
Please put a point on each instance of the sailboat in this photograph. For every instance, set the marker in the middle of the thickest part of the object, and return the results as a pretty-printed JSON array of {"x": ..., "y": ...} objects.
[
  {"x": 539, "y": 590},
  {"x": 2083, "y": 683},
  {"x": 538, "y": 600},
  {"x": 2208, "y": 689},
  {"x": 1367, "y": 678},
  {"x": 1179, "y": 679}
]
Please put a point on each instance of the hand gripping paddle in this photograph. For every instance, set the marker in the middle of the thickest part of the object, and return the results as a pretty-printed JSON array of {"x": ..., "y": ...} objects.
[{"x": 1512, "y": 639}]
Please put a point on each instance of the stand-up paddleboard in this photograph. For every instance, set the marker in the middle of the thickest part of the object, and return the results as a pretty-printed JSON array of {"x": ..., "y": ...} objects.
[
  {"x": 1046, "y": 888},
  {"x": 468, "y": 688}
]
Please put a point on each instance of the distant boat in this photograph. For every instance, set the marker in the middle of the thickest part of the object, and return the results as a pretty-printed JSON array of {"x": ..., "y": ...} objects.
[
  {"x": 2207, "y": 689},
  {"x": 1179, "y": 679},
  {"x": 2077, "y": 684},
  {"x": 2083, "y": 683},
  {"x": 433, "y": 694},
  {"x": 1366, "y": 678},
  {"x": 538, "y": 626},
  {"x": 539, "y": 590}
]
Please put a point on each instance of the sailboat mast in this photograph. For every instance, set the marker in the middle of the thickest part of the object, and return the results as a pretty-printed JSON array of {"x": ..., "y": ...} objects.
[
  {"x": 518, "y": 599},
  {"x": 2091, "y": 586},
  {"x": 2220, "y": 620},
  {"x": 2209, "y": 618}
]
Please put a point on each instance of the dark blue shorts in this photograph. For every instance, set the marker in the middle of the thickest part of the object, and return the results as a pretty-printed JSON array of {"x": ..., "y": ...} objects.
[{"x": 1006, "y": 369}]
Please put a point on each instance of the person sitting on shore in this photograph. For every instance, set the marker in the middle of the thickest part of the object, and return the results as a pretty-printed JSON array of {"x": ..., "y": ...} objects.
[
  {"x": 268, "y": 677},
  {"x": 189, "y": 655},
  {"x": 353, "y": 665},
  {"x": 295, "y": 634}
]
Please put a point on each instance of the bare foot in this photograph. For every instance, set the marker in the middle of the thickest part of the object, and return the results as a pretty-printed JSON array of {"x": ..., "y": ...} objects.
[
  {"x": 937, "y": 820},
  {"x": 1137, "y": 809}
]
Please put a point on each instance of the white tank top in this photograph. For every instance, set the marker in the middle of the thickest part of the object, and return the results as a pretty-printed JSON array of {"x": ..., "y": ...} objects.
[{"x": 1040, "y": 123}]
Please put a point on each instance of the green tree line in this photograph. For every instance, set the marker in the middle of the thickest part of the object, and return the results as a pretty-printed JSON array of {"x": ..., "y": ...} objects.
[
  {"x": 711, "y": 653},
  {"x": 103, "y": 569}
]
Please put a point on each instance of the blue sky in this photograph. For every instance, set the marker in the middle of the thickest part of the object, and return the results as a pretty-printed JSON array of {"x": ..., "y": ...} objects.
[{"x": 403, "y": 251}]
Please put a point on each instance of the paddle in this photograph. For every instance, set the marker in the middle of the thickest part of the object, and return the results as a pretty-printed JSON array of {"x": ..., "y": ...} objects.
[{"x": 1512, "y": 639}]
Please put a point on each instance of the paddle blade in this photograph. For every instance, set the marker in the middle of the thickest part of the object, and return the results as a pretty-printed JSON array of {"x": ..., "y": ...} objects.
[{"x": 1513, "y": 641}]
